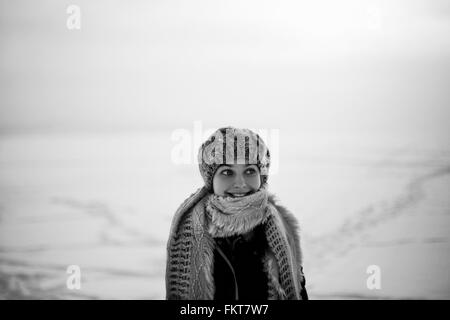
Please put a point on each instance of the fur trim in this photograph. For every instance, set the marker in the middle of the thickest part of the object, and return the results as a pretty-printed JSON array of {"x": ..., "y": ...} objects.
[
  {"x": 225, "y": 225},
  {"x": 271, "y": 269},
  {"x": 292, "y": 227},
  {"x": 293, "y": 235},
  {"x": 190, "y": 242}
]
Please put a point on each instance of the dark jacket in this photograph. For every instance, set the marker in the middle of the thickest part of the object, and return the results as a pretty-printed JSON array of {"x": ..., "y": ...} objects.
[{"x": 239, "y": 268}]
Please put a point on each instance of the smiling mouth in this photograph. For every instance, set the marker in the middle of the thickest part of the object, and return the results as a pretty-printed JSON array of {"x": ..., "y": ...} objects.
[{"x": 238, "y": 195}]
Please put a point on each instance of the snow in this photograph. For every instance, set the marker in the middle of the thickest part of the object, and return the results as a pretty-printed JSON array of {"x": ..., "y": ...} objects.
[{"x": 104, "y": 202}]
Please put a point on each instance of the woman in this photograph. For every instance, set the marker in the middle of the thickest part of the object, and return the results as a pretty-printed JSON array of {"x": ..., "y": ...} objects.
[{"x": 230, "y": 240}]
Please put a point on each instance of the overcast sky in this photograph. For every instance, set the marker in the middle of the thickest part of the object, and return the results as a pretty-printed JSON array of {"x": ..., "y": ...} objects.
[{"x": 318, "y": 65}]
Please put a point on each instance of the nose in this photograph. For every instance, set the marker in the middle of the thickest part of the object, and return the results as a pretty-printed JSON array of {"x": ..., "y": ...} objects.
[{"x": 240, "y": 183}]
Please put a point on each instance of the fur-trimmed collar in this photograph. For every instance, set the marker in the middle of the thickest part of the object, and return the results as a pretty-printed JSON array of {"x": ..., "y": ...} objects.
[{"x": 189, "y": 235}]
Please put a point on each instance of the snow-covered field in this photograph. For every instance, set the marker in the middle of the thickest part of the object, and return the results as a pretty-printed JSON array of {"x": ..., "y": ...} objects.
[{"x": 104, "y": 202}]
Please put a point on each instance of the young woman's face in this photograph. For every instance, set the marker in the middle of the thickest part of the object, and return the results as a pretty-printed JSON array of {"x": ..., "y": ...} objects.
[{"x": 236, "y": 180}]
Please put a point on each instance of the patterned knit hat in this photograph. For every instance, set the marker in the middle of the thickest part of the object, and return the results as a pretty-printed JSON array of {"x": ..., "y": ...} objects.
[{"x": 233, "y": 146}]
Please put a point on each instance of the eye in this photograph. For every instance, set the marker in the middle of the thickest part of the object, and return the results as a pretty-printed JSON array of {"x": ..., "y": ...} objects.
[
  {"x": 227, "y": 172},
  {"x": 250, "y": 171}
]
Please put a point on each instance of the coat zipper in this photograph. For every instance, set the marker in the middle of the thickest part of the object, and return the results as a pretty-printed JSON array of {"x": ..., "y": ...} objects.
[{"x": 236, "y": 293}]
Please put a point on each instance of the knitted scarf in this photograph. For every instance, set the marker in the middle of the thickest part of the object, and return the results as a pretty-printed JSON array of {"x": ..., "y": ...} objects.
[
  {"x": 203, "y": 216},
  {"x": 229, "y": 216}
]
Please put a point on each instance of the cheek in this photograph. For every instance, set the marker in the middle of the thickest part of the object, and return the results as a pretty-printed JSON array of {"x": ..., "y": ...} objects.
[
  {"x": 220, "y": 185},
  {"x": 254, "y": 182}
]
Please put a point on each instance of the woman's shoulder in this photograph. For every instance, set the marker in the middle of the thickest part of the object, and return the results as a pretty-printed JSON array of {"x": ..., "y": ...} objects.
[
  {"x": 285, "y": 214},
  {"x": 184, "y": 211},
  {"x": 290, "y": 224}
]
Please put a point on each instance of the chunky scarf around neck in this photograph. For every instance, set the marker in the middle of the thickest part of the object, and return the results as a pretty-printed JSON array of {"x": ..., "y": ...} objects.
[
  {"x": 229, "y": 216},
  {"x": 203, "y": 216}
]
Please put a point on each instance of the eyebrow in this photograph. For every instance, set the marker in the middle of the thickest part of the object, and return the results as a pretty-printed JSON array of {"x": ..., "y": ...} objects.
[{"x": 229, "y": 166}]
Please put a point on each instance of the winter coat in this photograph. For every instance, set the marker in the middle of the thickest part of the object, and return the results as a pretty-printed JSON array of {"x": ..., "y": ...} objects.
[{"x": 234, "y": 267}]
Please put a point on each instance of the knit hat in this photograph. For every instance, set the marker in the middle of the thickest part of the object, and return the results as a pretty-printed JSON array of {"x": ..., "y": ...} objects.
[{"x": 231, "y": 145}]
